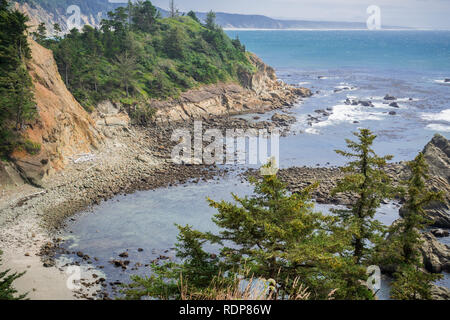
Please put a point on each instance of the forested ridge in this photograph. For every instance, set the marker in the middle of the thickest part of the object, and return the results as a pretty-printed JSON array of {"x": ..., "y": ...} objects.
[{"x": 136, "y": 55}]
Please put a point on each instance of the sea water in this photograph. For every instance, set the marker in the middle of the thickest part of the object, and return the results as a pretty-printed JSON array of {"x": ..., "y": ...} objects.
[{"x": 335, "y": 65}]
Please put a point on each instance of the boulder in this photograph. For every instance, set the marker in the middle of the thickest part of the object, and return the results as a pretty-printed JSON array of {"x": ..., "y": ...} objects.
[
  {"x": 394, "y": 105},
  {"x": 389, "y": 97},
  {"x": 447, "y": 80},
  {"x": 283, "y": 118},
  {"x": 436, "y": 255},
  {"x": 440, "y": 233},
  {"x": 365, "y": 103},
  {"x": 392, "y": 113}
]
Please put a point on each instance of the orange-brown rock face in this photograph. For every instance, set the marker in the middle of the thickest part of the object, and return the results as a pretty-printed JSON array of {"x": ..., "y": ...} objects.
[{"x": 62, "y": 126}]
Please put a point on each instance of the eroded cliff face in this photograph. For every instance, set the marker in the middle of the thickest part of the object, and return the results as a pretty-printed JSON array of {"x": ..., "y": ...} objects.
[
  {"x": 62, "y": 127},
  {"x": 260, "y": 91}
]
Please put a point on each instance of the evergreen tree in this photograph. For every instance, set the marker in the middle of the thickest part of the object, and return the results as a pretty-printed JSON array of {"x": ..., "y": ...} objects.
[
  {"x": 411, "y": 280},
  {"x": 271, "y": 235},
  {"x": 58, "y": 31},
  {"x": 41, "y": 33},
  {"x": 144, "y": 16},
  {"x": 193, "y": 16},
  {"x": 175, "y": 43},
  {"x": 7, "y": 291},
  {"x": 210, "y": 22},
  {"x": 126, "y": 69},
  {"x": 367, "y": 184},
  {"x": 16, "y": 96}
]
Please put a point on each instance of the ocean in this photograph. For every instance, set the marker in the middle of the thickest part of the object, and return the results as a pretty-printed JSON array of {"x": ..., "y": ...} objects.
[
  {"x": 366, "y": 65},
  {"x": 335, "y": 65}
]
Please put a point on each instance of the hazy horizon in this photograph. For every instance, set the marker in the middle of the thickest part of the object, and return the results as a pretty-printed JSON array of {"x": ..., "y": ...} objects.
[{"x": 427, "y": 14}]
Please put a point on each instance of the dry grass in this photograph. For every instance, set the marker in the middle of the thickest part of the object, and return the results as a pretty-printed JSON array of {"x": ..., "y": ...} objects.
[{"x": 244, "y": 289}]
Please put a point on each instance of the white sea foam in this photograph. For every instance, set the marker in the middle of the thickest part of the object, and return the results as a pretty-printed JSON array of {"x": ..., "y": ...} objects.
[
  {"x": 442, "y": 81},
  {"x": 438, "y": 127},
  {"x": 444, "y": 115},
  {"x": 346, "y": 87},
  {"x": 345, "y": 113},
  {"x": 303, "y": 83}
]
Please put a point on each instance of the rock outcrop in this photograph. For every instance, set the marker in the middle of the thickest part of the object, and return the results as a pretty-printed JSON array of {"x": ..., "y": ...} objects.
[
  {"x": 259, "y": 91},
  {"x": 62, "y": 127},
  {"x": 440, "y": 293},
  {"x": 437, "y": 155},
  {"x": 436, "y": 255}
]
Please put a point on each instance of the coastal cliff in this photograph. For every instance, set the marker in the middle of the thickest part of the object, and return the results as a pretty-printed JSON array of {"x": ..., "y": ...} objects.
[
  {"x": 260, "y": 91},
  {"x": 62, "y": 127},
  {"x": 65, "y": 131}
]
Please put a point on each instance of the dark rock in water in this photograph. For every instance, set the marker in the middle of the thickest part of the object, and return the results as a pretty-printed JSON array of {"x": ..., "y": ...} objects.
[
  {"x": 120, "y": 263},
  {"x": 440, "y": 233},
  {"x": 355, "y": 121},
  {"x": 140, "y": 250},
  {"x": 389, "y": 97},
  {"x": 447, "y": 80},
  {"x": 394, "y": 105},
  {"x": 123, "y": 255},
  {"x": 347, "y": 101},
  {"x": 365, "y": 103},
  {"x": 392, "y": 113}
]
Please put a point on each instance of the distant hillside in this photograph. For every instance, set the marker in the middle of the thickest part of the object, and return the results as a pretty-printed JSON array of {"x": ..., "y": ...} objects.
[
  {"x": 50, "y": 11},
  {"x": 242, "y": 21}
]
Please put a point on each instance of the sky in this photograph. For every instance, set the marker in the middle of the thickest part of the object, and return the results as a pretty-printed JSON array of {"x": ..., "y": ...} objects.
[{"x": 409, "y": 13}]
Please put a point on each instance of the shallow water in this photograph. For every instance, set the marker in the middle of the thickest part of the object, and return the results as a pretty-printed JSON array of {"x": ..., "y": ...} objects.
[{"x": 404, "y": 64}]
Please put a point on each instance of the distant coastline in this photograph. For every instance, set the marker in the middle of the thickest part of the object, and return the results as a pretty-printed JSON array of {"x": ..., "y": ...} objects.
[{"x": 331, "y": 29}]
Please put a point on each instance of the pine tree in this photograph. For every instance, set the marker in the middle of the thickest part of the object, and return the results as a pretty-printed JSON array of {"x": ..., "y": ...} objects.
[
  {"x": 367, "y": 184},
  {"x": 210, "y": 22},
  {"x": 411, "y": 279},
  {"x": 126, "y": 69},
  {"x": 41, "y": 33},
  {"x": 193, "y": 16},
  {"x": 7, "y": 291},
  {"x": 16, "y": 95},
  {"x": 270, "y": 235}
]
